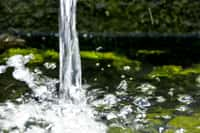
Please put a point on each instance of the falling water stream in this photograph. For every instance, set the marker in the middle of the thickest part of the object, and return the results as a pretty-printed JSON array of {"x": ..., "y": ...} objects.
[
  {"x": 44, "y": 111},
  {"x": 70, "y": 66}
]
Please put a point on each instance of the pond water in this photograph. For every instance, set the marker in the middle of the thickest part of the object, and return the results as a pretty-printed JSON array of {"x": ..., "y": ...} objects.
[{"x": 126, "y": 97}]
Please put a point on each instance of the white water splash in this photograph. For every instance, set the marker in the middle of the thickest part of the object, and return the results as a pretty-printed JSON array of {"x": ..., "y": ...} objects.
[{"x": 44, "y": 112}]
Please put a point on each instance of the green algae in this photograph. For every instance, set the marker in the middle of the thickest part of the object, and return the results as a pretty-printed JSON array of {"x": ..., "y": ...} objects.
[
  {"x": 170, "y": 71},
  {"x": 39, "y": 56},
  {"x": 120, "y": 130},
  {"x": 149, "y": 52},
  {"x": 156, "y": 115},
  {"x": 117, "y": 60},
  {"x": 191, "y": 124}
]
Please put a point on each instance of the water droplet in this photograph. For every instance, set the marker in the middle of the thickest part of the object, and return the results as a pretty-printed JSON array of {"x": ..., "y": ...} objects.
[
  {"x": 126, "y": 68},
  {"x": 108, "y": 65},
  {"x": 123, "y": 76},
  {"x": 187, "y": 99},
  {"x": 123, "y": 85},
  {"x": 85, "y": 35},
  {"x": 181, "y": 130},
  {"x": 131, "y": 78},
  {"x": 171, "y": 92},
  {"x": 99, "y": 48},
  {"x": 160, "y": 99},
  {"x": 28, "y": 34},
  {"x": 97, "y": 64},
  {"x": 125, "y": 111},
  {"x": 146, "y": 88},
  {"x": 182, "y": 108},
  {"x": 43, "y": 38},
  {"x": 142, "y": 102},
  {"x": 161, "y": 129},
  {"x": 49, "y": 65},
  {"x": 102, "y": 69},
  {"x": 3, "y": 69}
]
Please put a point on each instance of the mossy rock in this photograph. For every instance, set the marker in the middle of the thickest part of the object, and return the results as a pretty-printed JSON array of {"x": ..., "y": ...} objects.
[
  {"x": 191, "y": 124},
  {"x": 8, "y": 41}
]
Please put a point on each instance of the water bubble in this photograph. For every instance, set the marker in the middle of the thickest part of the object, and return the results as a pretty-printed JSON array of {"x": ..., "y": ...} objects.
[
  {"x": 181, "y": 130},
  {"x": 49, "y": 65},
  {"x": 111, "y": 116},
  {"x": 126, "y": 68},
  {"x": 107, "y": 87},
  {"x": 160, "y": 99},
  {"x": 3, "y": 69},
  {"x": 123, "y": 76},
  {"x": 142, "y": 102},
  {"x": 108, "y": 100},
  {"x": 130, "y": 78},
  {"x": 171, "y": 92},
  {"x": 123, "y": 85},
  {"x": 125, "y": 111},
  {"x": 198, "y": 79},
  {"x": 167, "y": 117},
  {"x": 187, "y": 99},
  {"x": 85, "y": 35},
  {"x": 97, "y": 64},
  {"x": 37, "y": 71},
  {"x": 99, "y": 48},
  {"x": 161, "y": 129},
  {"x": 43, "y": 38},
  {"x": 108, "y": 65},
  {"x": 146, "y": 88},
  {"x": 28, "y": 34},
  {"x": 182, "y": 108}
]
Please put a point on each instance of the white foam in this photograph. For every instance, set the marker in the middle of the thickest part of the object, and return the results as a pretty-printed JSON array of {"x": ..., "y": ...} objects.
[{"x": 50, "y": 114}]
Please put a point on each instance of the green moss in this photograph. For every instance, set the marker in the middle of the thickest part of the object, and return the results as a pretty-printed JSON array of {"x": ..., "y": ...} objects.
[
  {"x": 120, "y": 130},
  {"x": 39, "y": 55},
  {"x": 117, "y": 60},
  {"x": 170, "y": 71},
  {"x": 189, "y": 123},
  {"x": 169, "y": 131},
  {"x": 50, "y": 55},
  {"x": 149, "y": 52},
  {"x": 155, "y": 116},
  {"x": 104, "y": 56},
  {"x": 165, "y": 71}
]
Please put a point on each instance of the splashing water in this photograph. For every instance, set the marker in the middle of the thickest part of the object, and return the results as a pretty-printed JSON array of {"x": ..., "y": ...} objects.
[{"x": 45, "y": 112}]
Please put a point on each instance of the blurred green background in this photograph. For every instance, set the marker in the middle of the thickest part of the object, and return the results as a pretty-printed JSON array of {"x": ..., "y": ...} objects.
[{"x": 164, "y": 16}]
